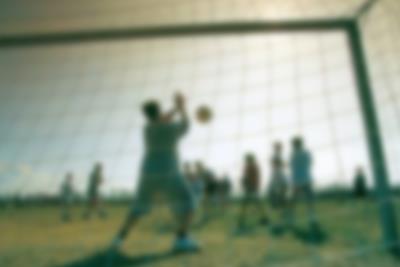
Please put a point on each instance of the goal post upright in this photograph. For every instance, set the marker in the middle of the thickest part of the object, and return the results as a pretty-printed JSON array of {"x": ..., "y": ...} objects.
[
  {"x": 348, "y": 26},
  {"x": 373, "y": 137}
]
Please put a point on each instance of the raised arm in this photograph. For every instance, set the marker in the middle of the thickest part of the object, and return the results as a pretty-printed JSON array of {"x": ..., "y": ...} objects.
[
  {"x": 169, "y": 116},
  {"x": 180, "y": 106}
]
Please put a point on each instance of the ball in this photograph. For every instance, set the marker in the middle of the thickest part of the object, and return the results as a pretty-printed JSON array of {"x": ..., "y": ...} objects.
[{"x": 203, "y": 114}]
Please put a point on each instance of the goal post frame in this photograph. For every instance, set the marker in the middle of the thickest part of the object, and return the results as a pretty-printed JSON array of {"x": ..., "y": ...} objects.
[
  {"x": 171, "y": 31},
  {"x": 359, "y": 63},
  {"x": 373, "y": 137}
]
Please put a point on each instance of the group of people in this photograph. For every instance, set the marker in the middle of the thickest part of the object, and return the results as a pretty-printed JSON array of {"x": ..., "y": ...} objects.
[
  {"x": 285, "y": 189},
  {"x": 206, "y": 186},
  {"x": 93, "y": 200},
  {"x": 160, "y": 173}
]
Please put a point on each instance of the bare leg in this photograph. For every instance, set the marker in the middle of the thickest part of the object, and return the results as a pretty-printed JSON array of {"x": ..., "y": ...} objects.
[
  {"x": 207, "y": 203},
  {"x": 285, "y": 213},
  {"x": 291, "y": 209},
  {"x": 311, "y": 209},
  {"x": 183, "y": 242},
  {"x": 126, "y": 227},
  {"x": 91, "y": 206},
  {"x": 65, "y": 213},
  {"x": 184, "y": 223},
  {"x": 243, "y": 212},
  {"x": 123, "y": 232},
  {"x": 101, "y": 210},
  {"x": 263, "y": 213}
]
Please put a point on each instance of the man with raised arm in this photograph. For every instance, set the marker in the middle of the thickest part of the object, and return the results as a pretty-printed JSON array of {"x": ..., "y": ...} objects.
[{"x": 160, "y": 173}]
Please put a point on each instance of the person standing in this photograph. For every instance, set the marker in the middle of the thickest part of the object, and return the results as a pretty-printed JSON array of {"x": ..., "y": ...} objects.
[
  {"x": 94, "y": 204},
  {"x": 67, "y": 196},
  {"x": 278, "y": 186},
  {"x": 360, "y": 184},
  {"x": 251, "y": 186},
  {"x": 196, "y": 183},
  {"x": 160, "y": 173},
  {"x": 301, "y": 163}
]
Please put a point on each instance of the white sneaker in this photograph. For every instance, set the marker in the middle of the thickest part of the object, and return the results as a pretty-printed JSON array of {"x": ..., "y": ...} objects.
[
  {"x": 116, "y": 244},
  {"x": 185, "y": 244}
]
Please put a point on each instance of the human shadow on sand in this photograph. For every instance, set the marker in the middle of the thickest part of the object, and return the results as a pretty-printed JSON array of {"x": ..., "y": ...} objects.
[
  {"x": 101, "y": 259},
  {"x": 313, "y": 234}
]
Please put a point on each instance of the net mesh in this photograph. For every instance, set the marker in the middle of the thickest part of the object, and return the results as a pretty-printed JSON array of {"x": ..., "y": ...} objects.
[{"x": 261, "y": 89}]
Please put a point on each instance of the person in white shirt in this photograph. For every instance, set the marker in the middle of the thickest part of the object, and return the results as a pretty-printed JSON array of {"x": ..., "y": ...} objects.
[
  {"x": 196, "y": 183},
  {"x": 160, "y": 173},
  {"x": 301, "y": 173}
]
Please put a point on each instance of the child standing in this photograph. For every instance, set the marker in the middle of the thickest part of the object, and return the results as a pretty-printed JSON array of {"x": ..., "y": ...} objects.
[
  {"x": 251, "y": 186},
  {"x": 278, "y": 187},
  {"x": 196, "y": 183},
  {"x": 93, "y": 192},
  {"x": 67, "y": 196}
]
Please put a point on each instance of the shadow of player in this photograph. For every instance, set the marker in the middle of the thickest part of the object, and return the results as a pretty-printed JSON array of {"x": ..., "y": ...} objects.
[
  {"x": 395, "y": 252},
  {"x": 255, "y": 229},
  {"x": 120, "y": 260},
  {"x": 243, "y": 231},
  {"x": 313, "y": 234},
  {"x": 278, "y": 230}
]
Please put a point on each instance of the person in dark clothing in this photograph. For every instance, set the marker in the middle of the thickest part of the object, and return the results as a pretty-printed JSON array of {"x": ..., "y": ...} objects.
[{"x": 360, "y": 184}]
